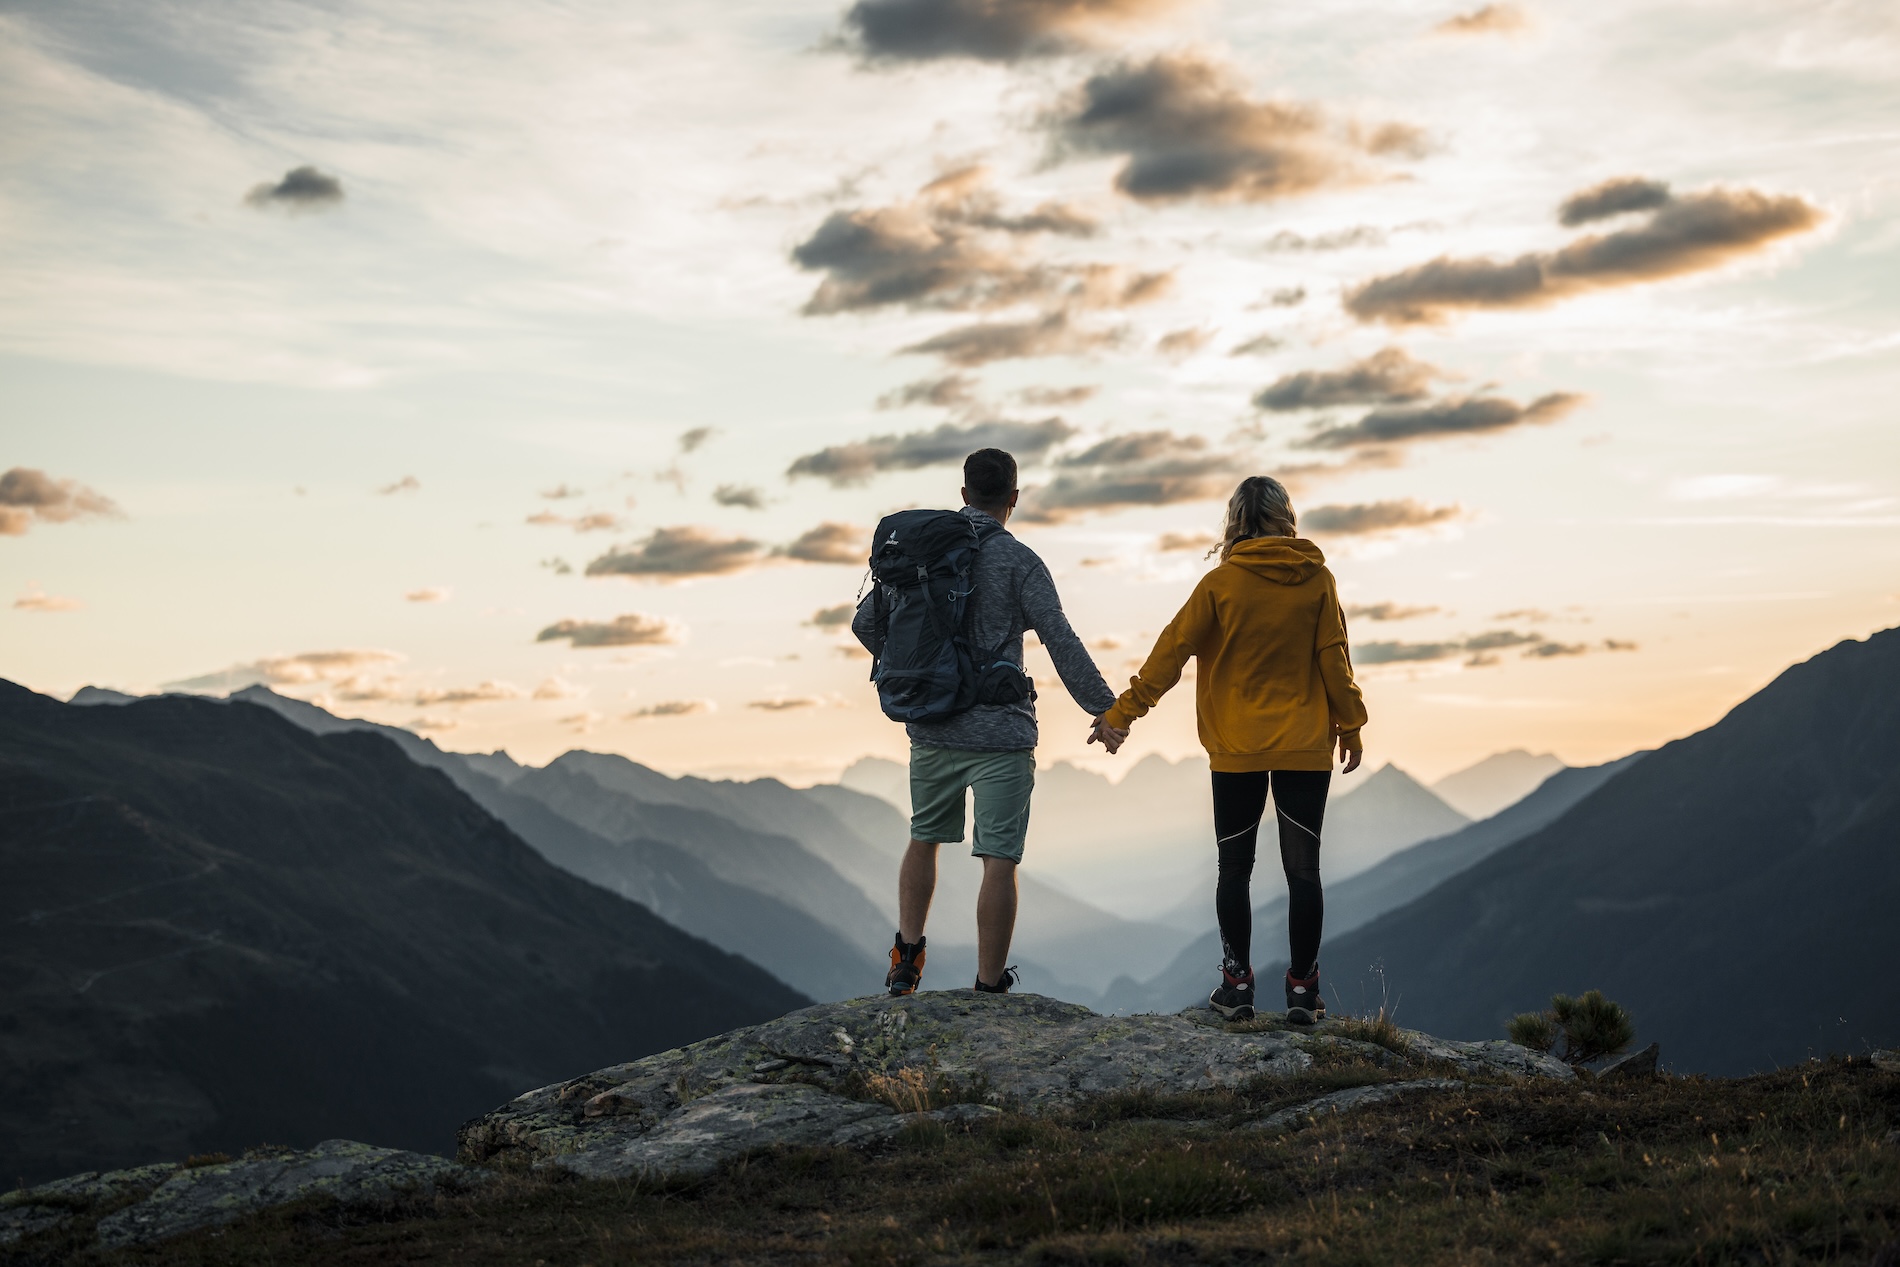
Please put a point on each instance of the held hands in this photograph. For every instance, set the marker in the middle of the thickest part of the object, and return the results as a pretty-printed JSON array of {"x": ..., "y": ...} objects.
[{"x": 1110, "y": 737}]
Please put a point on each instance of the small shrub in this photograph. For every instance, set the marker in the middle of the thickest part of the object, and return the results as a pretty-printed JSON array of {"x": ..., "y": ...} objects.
[
  {"x": 197, "y": 1160},
  {"x": 1379, "y": 1029},
  {"x": 1590, "y": 1027}
]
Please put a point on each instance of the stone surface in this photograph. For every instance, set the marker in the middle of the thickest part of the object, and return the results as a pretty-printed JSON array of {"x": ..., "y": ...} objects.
[
  {"x": 1352, "y": 1098},
  {"x": 810, "y": 1076},
  {"x": 207, "y": 1196},
  {"x": 28, "y": 1211},
  {"x": 1887, "y": 1060},
  {"x": 1638, "y": 1064}
]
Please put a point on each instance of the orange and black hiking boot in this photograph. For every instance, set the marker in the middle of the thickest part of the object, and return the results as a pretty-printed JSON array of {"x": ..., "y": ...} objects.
[
  {"x": 907, "y": 966},
  {"x": 1233, "y": 997}
]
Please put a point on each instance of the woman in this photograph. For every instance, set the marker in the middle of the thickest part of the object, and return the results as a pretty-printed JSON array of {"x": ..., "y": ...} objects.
[{"x": 1273, "y": 696}]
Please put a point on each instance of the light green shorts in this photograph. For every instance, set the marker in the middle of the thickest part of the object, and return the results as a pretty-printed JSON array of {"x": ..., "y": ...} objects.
[{"x": 939, "y": 777}]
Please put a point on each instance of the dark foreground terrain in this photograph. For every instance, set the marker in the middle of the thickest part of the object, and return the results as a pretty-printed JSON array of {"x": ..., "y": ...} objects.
[{"x": 1799, "y": 1165}]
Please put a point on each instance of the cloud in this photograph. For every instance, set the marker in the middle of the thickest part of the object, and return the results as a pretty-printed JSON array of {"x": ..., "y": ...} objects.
[
  {"x": 407, "y": 484},
  {"x": 1332, "y": 240},
  {"x": 889, "y": 31},
  {"x": 783, "y": 704},
  {"x": 596, "y": 521},
  {"x": 1149, "y": 468},
  {"x": 420, "y": 724},
  {"x": 1287, "y": 297},
  {"x": 1057, "y": 397},
  {"x": 691, "y": 440},
  {"x": 28, "y": 495},
  {"x": 1178, "y": 345},
  {"x": 634, "y": 629},
  {"x": 1369, "y": 517},
  {"x": 678, "y": 553},
  {"x": 1387, "y": 377},
  {"x": 1492, "y": 19},
  {"x": 1259, "y": 345},
  {"x": 37, "y": 600},
  {"x": 582, "y": 723},
  {"x": 558, "y": 566},
  {"x": 1480, "y": 649},
  {"x": 1387, "y": 611},
  {"x": 1688, "y": 233},
  {"x": 739, "y": 495},
  {"x": 1198, "y": 542},
  {"x": 948, "y": 392},
  {"x": 301, "y": 189},
  {"x": 829, "y": 543},
  {"x": 987, "y": 341},
  {"x": 455, "y": 696},
  {"x": 557, "y": 688},
  {"x": 857, "y": 461},
  {"x": 431, "y": 594},
  {"x": 1471, "y": 415},
  {"x": 560, "y": 492},
  {"x": 672, "y": 708},
  {"x": 1612, "y": 198},
  {"x": 291, "y": 670},
  {"x": 833, "y": 617},
  {"x": 952, "y": 248},
  {"x": 1188, "y": 128}
]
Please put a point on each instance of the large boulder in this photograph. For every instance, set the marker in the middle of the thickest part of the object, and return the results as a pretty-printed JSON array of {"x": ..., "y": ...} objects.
[{"x": 843, "y": 1072}]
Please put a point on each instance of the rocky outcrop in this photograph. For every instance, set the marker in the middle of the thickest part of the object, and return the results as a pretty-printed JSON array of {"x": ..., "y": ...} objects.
[
  {"x": 840, "y": 1073},
  {"x": 170, "y": 1199}
]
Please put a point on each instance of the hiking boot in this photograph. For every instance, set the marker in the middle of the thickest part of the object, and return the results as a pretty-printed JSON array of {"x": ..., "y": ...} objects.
[
  {"x": 1233, "y": 998},
  {"x": 1003, "y": 983},
  {"x": 1303, "y": 1004},
  {"x": 907, "y": 966}
]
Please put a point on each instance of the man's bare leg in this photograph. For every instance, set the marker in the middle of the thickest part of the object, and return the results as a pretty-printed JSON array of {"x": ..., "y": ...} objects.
[
  {"x": 995, "y": 918},
  {"x": 916, "y": 884}
]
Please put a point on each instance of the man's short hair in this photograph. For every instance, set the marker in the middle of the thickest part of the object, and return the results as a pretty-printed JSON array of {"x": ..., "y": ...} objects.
[{"x": 990, "y": 476}]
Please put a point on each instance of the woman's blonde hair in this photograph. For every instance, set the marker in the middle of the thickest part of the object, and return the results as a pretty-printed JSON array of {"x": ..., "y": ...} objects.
[{"x": 1260, "y": 507}]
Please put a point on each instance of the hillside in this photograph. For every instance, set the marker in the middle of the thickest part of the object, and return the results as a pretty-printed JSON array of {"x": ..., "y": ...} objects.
[
  {"x": 1735, "y": 889},
  {"x": 221, "y": 929}
]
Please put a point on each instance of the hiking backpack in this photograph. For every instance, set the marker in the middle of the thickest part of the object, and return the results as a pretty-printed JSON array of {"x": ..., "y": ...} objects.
[{"x": 922, "y": 662}]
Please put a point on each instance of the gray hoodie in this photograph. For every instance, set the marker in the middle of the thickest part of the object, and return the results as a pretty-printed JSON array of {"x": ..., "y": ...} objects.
[{"x": 1011, "y": 591}]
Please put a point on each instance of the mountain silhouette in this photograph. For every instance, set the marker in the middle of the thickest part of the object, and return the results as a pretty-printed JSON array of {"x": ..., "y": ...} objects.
[
  {"x": 223, "y": 930},
  {"x": 1735, "y": 889},
  {"x": 1501, "y": 779}
]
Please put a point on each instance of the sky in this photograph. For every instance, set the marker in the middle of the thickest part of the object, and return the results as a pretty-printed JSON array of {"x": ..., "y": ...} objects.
[{"x": 532, "y": 376}]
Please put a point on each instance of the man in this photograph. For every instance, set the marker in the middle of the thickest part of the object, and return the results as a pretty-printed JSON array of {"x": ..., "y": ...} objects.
[{"x": 990, "y": 748}]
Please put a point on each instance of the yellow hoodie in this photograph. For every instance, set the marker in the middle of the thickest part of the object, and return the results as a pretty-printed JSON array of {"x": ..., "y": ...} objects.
[{"x": 1275, "y": 685}]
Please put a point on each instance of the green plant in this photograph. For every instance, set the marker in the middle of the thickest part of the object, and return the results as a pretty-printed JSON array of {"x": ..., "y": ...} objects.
[{"x": 1590, "y": 1026}]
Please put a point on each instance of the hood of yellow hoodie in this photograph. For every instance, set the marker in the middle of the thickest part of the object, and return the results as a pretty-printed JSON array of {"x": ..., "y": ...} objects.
[{"x": 1283, "y": 560}]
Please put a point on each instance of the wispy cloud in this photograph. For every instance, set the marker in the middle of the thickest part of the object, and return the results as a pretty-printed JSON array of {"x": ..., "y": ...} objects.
[
  {"x": 560, "y": 492},
  {"x": 946, "y": 443},
  {"x": 983, "y": 342},
  {"x": 1468, "y": 416},
  {"x": 950, "y": 391},
  {"x": 741, "y": 495},
  {"x": 557, "y": 688},
  {"x": 1148, "y": 468},
  {"x": 693, "y": 438},
  {"x": 786, "y": 704},
  {"x": 1618, "y": 196},
  {"x": 1389, "y": 611},
  {"x": 455, "y": 696},
  {"x": 634, "y": 629},
  {"x": 1198, "y": 542},
  {"x": 1329, "y": 240},
  {"x": 407, "y": 484},
  {"x": 829, "y": 543},
  {"x": 672, "y": 708},
  {"x": 303, "y": 669},
  {"x": 1479, "y": 650},
  {"x": 1058, "y": 397},
  {"x": 889, "y": 31},
  {"x": 1688, "y": 233},
  {"x": 1389, "y": 376},
  {"x": 1363, "y": 518},
  {"x": 680, "y": 553},
  {"x": 1492, "y": 19},
  {"x": 1178, "y": 345},
  {"x": 28, "y": 495},
  {"x": 833, "y": 617},
  {"x": 301, "y": 189},
  {"x": 37, "y": 600},
  {"x": 1187, "y": 127},
  {"x": 429, "y": 594}
]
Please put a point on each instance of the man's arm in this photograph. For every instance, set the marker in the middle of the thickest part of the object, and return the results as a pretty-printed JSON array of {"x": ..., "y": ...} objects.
[{"x": 1042, "y": 612}]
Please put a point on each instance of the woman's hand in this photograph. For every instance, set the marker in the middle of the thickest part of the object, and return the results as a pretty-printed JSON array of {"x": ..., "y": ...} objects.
[
  {"x": 1351, "y": 756},
  {"x": 1110, "y": 737}
]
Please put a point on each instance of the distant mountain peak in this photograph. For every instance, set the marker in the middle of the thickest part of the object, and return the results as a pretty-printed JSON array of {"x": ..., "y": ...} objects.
[{"x": 1500, "y": 780}]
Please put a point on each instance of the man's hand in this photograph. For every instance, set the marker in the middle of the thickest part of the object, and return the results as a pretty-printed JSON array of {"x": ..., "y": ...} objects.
[
  {"x": 1351, "y": 756},
  {"x": 1110, "y": 737}
]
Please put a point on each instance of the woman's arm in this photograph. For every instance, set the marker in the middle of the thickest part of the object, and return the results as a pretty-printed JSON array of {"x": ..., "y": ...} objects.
[
  {"x": 1163, "y": 667},
  {"x": 1343, "y": 699}
]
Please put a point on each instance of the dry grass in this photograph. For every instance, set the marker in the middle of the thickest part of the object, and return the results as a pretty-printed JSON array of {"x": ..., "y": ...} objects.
[{"x": 1802, "y": 1165}]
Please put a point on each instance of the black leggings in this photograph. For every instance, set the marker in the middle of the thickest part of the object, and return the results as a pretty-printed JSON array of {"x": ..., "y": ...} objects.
[{"x": 1240, "y": 801}]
